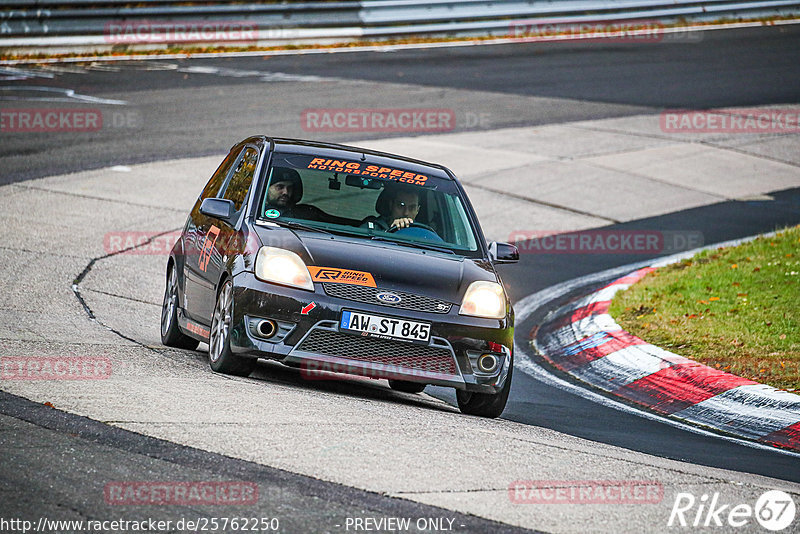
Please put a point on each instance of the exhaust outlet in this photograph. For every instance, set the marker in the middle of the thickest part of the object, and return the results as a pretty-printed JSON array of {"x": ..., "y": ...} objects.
[
  {"x": 487, "y": 363},
  {"x": 266, "y": 329}
]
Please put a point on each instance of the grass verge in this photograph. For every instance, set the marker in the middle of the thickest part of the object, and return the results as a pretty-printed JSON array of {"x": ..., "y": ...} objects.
[{"x": 735, "y": 309}]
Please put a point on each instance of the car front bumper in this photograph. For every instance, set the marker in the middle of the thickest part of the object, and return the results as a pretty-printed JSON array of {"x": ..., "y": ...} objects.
[{"x": 308, "y": 336}]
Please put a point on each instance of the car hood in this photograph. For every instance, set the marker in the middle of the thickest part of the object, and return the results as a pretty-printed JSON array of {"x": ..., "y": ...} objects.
[{"x": 432, "y": 273}]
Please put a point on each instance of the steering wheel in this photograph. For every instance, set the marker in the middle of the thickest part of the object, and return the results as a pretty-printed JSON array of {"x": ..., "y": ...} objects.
[{"x": 395, "y": 228}]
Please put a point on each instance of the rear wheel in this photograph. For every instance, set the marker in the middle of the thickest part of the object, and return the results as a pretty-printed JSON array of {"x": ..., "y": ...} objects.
[
  {"x": 406, "y": 386},
  {"x": 171, "y": 334},
  {"x": 485, "y": 404},
  {"x": 220, "y": 357}
]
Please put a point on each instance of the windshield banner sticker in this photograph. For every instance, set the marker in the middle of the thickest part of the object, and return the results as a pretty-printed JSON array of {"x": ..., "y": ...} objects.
[
  {"x": 341, "y": 276},
  {"x": 362, "y": 169}
]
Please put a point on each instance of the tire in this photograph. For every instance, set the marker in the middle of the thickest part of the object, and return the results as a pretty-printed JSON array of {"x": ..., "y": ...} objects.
[
  {"x": 485, "y": 404},
  {"x": 406, "y": 387},
  {"x": 220, "y": 357},
  {"x": 171, "y": 334}
]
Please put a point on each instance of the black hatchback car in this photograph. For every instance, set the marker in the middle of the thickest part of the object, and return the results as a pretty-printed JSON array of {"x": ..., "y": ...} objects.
[{"x": 337, "y": 259}]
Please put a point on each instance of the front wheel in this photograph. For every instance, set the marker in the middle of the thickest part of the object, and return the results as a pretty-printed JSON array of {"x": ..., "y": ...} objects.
[
  {"x": 220, "y": 357},
  {"x": 171, "y": 334},
  {"x": 485, "y": 404}
]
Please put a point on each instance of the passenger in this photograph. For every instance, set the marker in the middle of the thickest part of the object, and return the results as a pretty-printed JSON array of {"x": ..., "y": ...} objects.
[{"x": 285, "y": 190}]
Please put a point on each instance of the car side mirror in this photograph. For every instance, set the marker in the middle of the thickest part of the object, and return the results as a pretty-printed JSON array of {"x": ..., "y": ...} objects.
[
  {"x": 219, "y": 208},
  {"x": 503, "y": 252}
]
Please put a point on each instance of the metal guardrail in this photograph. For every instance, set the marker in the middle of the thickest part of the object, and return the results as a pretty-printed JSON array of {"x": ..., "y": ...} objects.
[{"x": 85, "y": 22}]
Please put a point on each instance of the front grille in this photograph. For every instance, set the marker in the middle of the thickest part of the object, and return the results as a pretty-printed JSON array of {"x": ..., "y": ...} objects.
[
  {"x": 409, "y": 301},
  {"x": 383, "y": 351}
]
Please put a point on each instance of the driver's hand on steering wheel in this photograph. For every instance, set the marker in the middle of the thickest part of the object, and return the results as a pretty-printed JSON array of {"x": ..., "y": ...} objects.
[{"x": 403, "y": 222}]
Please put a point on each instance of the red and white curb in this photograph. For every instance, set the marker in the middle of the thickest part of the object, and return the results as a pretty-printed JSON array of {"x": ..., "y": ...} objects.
[{"x": 582, "y": 339}]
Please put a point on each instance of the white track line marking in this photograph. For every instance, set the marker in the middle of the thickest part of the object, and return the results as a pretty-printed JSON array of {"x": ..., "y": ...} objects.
[{"x": 67, "y": 95}]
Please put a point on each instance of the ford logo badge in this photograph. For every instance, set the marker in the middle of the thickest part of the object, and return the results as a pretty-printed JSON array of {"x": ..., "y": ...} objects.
[{"x": 388, "y": 298}]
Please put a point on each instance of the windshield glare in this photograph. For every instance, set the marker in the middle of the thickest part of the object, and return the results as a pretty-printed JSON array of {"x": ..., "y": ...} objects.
[{"x": 361, "y": 199}]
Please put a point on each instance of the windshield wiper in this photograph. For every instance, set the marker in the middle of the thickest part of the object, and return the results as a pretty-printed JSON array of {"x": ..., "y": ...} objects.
[
  {"x": 414, "y": 244},
  {"x": 300, "y": 226}
]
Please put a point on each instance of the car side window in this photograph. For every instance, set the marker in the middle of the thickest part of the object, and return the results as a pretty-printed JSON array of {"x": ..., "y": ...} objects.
[
  {"x": 242, "y": 177},
  {"x": 216, "y": 182}
]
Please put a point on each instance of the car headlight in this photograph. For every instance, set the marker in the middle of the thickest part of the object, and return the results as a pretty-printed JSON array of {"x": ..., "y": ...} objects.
[
  {"x": 282, "y": 267},
  {"x": 484, "y": 299}
]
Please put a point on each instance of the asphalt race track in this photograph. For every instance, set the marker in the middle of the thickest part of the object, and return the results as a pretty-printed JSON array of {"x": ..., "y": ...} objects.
[
  {"x": 204, "y": 111},
  {"x": 158, "y": 111}
]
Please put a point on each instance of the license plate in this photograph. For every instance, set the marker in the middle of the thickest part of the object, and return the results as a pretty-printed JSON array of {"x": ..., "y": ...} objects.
[{"x": 385, "y": 327}]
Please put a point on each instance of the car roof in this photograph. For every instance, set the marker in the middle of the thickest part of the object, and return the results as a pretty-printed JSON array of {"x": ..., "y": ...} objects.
[{"x": 334, "y": 150}]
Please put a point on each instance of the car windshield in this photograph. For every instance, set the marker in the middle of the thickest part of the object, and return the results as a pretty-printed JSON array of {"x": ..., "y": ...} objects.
[{"x": 387, "y": 203}]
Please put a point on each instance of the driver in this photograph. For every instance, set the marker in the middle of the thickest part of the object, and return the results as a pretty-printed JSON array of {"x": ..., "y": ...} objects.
[
  {"x": 397, "y": 207},
  {"x": 285, "y": 189}
]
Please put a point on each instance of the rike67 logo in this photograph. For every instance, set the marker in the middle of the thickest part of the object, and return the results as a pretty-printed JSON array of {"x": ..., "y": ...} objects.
[{"x": 774, "y": 510}]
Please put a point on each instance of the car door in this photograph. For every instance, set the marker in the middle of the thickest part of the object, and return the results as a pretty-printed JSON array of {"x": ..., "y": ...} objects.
[
  {"x": 223, "y": 238},
  {"x": 200, "y": 231}
]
